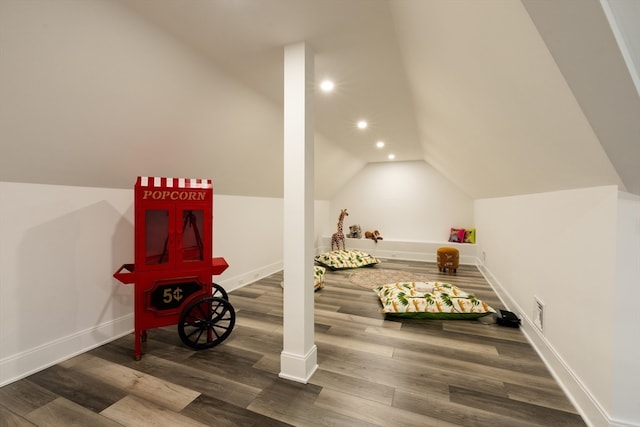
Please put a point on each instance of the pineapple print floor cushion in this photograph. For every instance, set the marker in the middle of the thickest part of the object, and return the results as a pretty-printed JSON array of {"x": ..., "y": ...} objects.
[
  {"x": 336, "y": 260},
  {"x": 430, "y": 300},
  {"x": 318, "y": 277}
]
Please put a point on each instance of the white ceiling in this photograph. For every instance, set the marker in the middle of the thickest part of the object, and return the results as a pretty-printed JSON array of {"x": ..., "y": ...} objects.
[
  {"x": 354, "y": 43},
  {"x": 501, "y": 97}
]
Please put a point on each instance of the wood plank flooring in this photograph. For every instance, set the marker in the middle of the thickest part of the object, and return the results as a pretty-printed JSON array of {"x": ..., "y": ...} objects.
[{"x": 372, "y": 371}]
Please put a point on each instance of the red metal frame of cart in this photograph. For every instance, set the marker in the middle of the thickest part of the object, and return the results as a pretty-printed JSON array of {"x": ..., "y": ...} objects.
[{"x": 173, "y": 250}]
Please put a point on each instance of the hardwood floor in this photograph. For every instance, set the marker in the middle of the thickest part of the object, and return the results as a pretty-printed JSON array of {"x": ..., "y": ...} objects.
[{"x": 372, "y": 371}]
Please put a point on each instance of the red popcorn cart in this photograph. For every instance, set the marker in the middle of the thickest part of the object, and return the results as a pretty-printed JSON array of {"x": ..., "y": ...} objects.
[{"x": 173, "y": 268}]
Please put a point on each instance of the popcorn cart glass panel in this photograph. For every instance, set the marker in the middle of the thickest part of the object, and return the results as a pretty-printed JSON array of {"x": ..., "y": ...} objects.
[
  {"x": 156, "y": 236},
  {"x": 192, "y": 245}
]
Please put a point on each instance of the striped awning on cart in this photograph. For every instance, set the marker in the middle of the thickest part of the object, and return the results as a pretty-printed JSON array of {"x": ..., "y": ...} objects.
[{"x": 163, "y": 182}]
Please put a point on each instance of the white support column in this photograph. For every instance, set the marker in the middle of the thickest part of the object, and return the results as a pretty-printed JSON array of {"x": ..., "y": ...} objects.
[{"x": 298, "y": 360}]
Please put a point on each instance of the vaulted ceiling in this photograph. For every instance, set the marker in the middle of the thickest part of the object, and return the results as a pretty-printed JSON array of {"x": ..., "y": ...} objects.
[{"x": 501, "y": 97}]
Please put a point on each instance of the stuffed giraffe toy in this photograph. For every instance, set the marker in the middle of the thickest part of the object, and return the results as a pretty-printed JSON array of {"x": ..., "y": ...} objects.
[{"x": 338, "y": 237}]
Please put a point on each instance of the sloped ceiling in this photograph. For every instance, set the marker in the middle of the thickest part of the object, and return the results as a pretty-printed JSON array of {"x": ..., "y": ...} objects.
[
  {"x": 499, "y": 96},
  {"x": 495, "y": 113},
  {"x": 602, "y": 82}
]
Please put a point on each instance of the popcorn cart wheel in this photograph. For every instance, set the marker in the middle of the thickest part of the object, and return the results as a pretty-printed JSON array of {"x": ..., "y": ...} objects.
[
  {"x": 206, "y": 322},
  {"x": 219, "y": 292}
]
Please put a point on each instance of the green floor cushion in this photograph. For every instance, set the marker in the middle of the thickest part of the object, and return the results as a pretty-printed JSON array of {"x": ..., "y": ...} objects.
[
  {"x": 336, "y": 260},
  {"x": 430, "y": 300},
  {"x": 318, "y": 277}
]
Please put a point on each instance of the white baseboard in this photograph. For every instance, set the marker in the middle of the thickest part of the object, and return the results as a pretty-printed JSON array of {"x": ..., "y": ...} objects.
[
  {"x": 28, "y": 362},
  {"x": 25, "y": 363},
  {"x": 299, "y": 368},
  {"x": 588, "y": 407},
  {"x": 240, "y": 280}
]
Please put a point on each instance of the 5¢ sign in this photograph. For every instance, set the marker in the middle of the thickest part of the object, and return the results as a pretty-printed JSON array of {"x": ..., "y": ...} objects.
[{"x": 171, "y": 295}]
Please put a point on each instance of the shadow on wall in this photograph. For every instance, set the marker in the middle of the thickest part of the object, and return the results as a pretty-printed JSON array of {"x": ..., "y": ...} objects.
[
  {"x": 122, "y": 252},
  {"x": 64, "y": 276}
]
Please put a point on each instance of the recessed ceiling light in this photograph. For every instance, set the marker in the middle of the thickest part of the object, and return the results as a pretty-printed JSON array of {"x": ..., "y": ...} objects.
[
  {"x": 362, "y": 124},
  {"x": 391, "y": 156},
  {"x": 380, "y": 144},
  {"x": 327, "y": 85}
]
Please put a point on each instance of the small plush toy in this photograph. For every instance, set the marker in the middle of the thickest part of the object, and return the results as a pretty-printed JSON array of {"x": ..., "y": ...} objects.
[
  {"x": 355, "y": 232},
  {"x": 373, "y": 235}
]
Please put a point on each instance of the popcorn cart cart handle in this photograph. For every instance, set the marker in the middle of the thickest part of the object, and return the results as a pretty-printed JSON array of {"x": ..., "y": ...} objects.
[{"x": 128, "y": 277}]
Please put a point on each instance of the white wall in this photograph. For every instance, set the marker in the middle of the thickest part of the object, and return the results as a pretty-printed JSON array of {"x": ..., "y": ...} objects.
[
  {"x": 625, "y": 399},
  {"x": 248, "y": 233},
  {"x": 58, "y": 251},
  {"x": 561, "y": 247},
  {"x": 60, "y": 246},
  {"x": 405, "y": 201}
]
